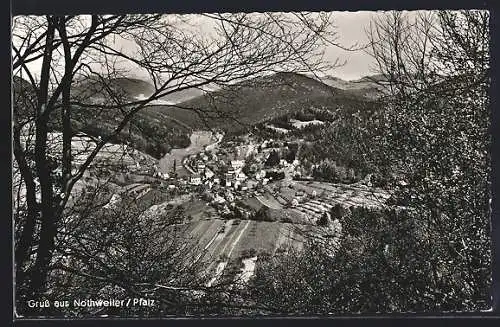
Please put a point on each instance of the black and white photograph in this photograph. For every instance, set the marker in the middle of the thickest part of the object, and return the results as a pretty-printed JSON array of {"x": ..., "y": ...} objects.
[{"x": 251, "y": 164}]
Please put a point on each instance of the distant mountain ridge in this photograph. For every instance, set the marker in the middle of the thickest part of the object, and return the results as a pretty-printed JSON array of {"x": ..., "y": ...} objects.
[
  {"x": 150, "y": 132},
  {"x": 131, "y": 89},
  {"x": 366, "y": 86},
  {"x": 261, "y": 99},
  {"x": 163, "y": 125}
]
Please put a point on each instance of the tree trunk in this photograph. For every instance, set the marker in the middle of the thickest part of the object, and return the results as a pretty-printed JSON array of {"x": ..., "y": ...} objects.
[
  {"x": 66, "y": 108},
  {"x": 48, "y": 221},
  {"x": 25, "y": 242}
]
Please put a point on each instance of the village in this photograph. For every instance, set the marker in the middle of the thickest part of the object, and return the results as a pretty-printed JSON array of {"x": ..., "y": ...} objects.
[
  {"x": 225, "y": 174},
  {"x": 234, "y": 195},
  {"x": 238, "y": 176},
  {"x": 263, "y": 162}
]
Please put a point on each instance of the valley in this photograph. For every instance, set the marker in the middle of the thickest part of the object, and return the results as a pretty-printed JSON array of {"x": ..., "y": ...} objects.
[
  {"x": 244, "y": 188},
  {"x": 251, "y": 163},
  {"x": 235, "y": 207}
]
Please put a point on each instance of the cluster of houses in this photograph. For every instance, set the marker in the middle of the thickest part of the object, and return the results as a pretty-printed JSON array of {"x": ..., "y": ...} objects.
[
  {"x": 235, "y": 176},
  {"x": 228, "y": 171},
  {"x": 201, "y": 173},
  {"x": 204, "y": 167}
]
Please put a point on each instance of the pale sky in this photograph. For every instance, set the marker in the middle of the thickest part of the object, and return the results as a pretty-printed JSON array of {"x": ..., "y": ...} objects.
[{"x": 350, "y": 28}]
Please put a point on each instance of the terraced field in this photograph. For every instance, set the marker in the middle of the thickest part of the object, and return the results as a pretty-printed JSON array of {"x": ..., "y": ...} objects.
[
  {"x": 349, "y": 195},
  {"x": 315, "y": 198}
]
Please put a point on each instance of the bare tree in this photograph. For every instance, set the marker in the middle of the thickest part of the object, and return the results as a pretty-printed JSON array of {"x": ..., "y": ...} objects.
[
  {"x": 81, "y": 50},
  {"x": 436, "y": 69},
  {"x": 120, "y": 250},
  {"x": 429, "y": 250}
]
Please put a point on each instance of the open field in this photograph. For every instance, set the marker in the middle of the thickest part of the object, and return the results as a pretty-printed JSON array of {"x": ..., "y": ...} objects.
[
  {"x": 267, "y": 236},
  {"x": 269, "y": 201},
  {"x": 289, "y": 215},
  {"x": 199, "y": 209},
  {"x": 301, "y": 124},
  {"x": 265, "y": 200},
  {"x": 253, "y": 203},
  {"x": 220, "y": 242}
]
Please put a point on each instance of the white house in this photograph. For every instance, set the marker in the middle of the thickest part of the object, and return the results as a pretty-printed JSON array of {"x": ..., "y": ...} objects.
[
  {"x": 226, "y": 210},
  {"x": 251, "y": 184},
  {"x": 200, "y": 167},
  {"x": 163, "y": 175},
  {"x": 209, "y": 173},
  {"x": 284, "y": 163},
  {"x": 229, "y": 178},
  {"x": 300, "y": 194},
  {"x": 195, "y": 179},
  {"x": 237, "y": 164},
  {"x": 219, "y": 199},
  {"x": 241, "y": 177},
  {"x": 260, "y": 174}
]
